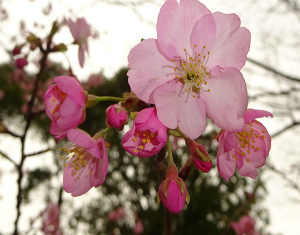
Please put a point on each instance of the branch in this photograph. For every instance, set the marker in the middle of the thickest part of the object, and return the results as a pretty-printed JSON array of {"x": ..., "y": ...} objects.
[
  {"x": 285, "y": 129},
  {"x": 274, "y": 93},
  {"x": 39, "y": 152},
  {"x": 294, "y": 79},
  {"x": 8, "y": 158}
]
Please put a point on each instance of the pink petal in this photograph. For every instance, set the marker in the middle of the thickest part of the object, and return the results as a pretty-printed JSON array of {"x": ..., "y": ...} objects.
[
  {"x": 226, "y": 164},
  {"x": 58, "y": 132},
  {"x": 72, "y": 115},
  {"x": 71, "y": 182},
  {"x": 73, "y": 29},
  {"x": 81, "y": 56},
  {"x": 232, "y": 42},
  {"x": 175, "y": 24},
  {"x": 204, "y": 34},
  {"x": 172, "y": 109},
  {"x": 226, "y": 143},
  {"x": 148, "y": 69},
  {"x": 267, "y": 139},
  {"x": 144, "y": 115},
  {"x": 227, "y": 100},
  {"x": 248, "y": 169},
  {"x": 252, "y": 114},
  {"x": 81, "y": 138},
  {"x": 72, "y": 88}
]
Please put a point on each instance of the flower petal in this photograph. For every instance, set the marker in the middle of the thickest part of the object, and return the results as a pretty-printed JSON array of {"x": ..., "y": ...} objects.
[
  {"x": 267, "y": 140},
  {"x": 58, "y": 132},
  {"x": 232, "y": 42},
  {"x": 71, "y": 114},
  {"x": 81, "y": 138},
  {"x": 148, "y": 69},
  {"x": 73, "y": 184},
  {"x": 175, "y": 24},
  {"x": 226, "y": 143},
  {"x": 248, "y": 169},
  {"x": 252, "y": 114},
  {"x": 72, "y": 88},
  {"x": 188, "y": 113},
  {"x": 225, "y": 162},
  {"x": 227, "y": 100}
]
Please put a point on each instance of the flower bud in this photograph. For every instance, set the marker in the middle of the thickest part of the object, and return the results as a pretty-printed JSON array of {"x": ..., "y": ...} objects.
[
  {"x": 21, "y": 63},
  {"x": 173, "y": 194},
  {"x": 200, "y": 157},
  {"x": 116, "y": 116}
]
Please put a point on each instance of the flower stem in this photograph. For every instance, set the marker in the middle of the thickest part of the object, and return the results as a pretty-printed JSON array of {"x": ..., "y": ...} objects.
[
  {"x": 181, "y": 133},
  {"x": 169, "y": 151},
  {"x": 109, "y": 98}
]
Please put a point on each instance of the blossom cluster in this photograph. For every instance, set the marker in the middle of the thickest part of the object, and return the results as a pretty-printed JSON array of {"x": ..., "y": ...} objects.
[{"x": 191, "y": 72}]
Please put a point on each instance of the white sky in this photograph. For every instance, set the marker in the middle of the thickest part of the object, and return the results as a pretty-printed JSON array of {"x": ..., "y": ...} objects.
[{"x": 120, "y": 29}]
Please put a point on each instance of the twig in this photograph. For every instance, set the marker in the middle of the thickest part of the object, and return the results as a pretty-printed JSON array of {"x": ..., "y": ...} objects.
[
  {"x": 8, "y": 158},
  {"x": 285, "y": 129},
  {"x": 30, "y": 117},
  {"x": 295, "y": 79},
  {"x": 39, "y": 152}
]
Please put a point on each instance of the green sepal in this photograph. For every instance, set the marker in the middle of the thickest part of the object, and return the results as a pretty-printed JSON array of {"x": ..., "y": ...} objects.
[
  {"x": 187, "y": 199},
  {"x": 165, "y": 187},
  {"x": 180, "y": 184},
  {"x": 158, "y": 198},
  {"x": 203, "y": 157},
  {"x": 133, "y": 115},
  {"x": 174, "y": 133},
  {"x": 92, "y": 100}
]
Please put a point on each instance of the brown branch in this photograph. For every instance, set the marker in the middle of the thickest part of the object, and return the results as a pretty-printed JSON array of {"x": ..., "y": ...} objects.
[
  {"x": 8, "y": 158},
  {"x": 29, "y": 119},
  {"x": 264, "y": 66},
  {"x": 12, "y": 134},
  {"x": 285, "y": 129},
  {"x": 39, "y": 152},
  {"x": 274, "y": 93},
  {"x": 186, "y": 169}
]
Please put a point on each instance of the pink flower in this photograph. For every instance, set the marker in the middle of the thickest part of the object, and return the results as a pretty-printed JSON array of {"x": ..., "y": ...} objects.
[
  {"x": 117, "y": 214},
  {"x": 200, "y": 157},
  {"x": 245, "y": 226},
  {"x": 80, "y": 31},
  {"x": 116, "y": 116},
  {"x": 247, "y": 148},
  {"x": 50, "y": 220},
  {"x": 147, "y": 136},
  {"x": 138, "y": 228},
  {"x": 64, "y": 105},
  {"x": 192, "y": 69},
  {"x": 87, "y": 163},
  {"x": 21, "y": 63},
  {"x": 172, "y": 191}
]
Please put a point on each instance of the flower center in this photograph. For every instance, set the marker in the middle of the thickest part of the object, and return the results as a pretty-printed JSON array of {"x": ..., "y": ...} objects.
[
  {"x": 57, "y": 99},
  {"x": 145, "y": 140},
  {"x": 246, "y": 140},
  {"x": 192, "y": 72},
  {"x": 79, "y": 156}
]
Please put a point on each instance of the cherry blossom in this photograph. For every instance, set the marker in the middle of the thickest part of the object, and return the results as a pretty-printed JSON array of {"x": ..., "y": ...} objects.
[{"x": 192, "y": 69}]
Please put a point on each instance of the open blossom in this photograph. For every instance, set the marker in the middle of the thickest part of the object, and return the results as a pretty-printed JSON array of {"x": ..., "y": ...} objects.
[
  {"x": 147, "y": 136},
  {"x": 64, "y": 105},
  {"x": 21, "y": 63},
  {"x": 247, "y": 148},
  {"x": 245, "y": 226},
  {"x": 192, "y": 69},
  {"x": 80, "y": 31},
  {"x": 117, "y": 116},
  {"x": 87, "y": 163}
]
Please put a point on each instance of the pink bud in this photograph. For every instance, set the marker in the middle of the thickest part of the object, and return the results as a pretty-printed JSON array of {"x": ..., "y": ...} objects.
[
  {"x": 116, "y": 116},
  {"x": 17, "y": 50},
  {"x": 200, "y": 157},
  {"x": 21, "y": 63},
  {"x": 172, "y": 195}
]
